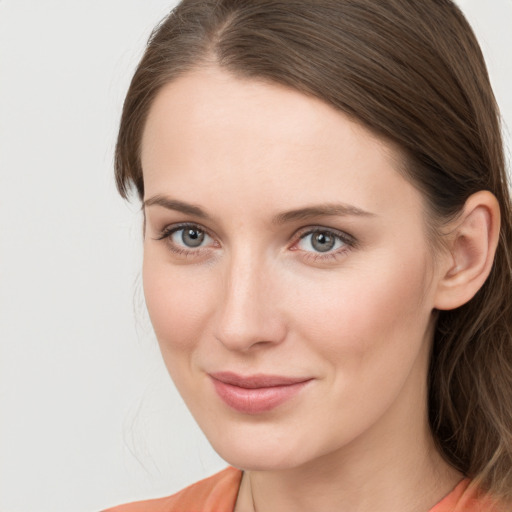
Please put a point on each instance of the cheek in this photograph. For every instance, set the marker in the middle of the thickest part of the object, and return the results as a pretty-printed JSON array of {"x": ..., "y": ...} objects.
[
  {"x": 178, "y": 300},
  {"x": 376, "y": 309}
]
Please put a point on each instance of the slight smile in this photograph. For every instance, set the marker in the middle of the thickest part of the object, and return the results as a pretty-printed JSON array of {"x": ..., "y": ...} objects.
[{"x": 256, "y": 394}]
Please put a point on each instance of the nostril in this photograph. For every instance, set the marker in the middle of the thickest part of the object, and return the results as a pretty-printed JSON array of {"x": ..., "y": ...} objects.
[{"x": 250, "y": 332}]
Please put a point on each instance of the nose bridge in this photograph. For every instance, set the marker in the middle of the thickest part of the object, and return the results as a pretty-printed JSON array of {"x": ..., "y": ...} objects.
[{"x": 246, "y": 312}]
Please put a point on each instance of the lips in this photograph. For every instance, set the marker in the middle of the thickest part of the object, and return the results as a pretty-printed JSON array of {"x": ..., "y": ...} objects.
[{"x": 255, "y": 394}]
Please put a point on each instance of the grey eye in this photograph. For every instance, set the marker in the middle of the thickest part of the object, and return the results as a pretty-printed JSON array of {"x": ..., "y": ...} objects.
[
  {"x": 192, "y": 237},
  {"x": 321, "y": 241}
]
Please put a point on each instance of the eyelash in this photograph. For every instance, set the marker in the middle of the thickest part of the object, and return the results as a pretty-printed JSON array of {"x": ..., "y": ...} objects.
[
  {"x": 349, "y": 242},
  {"x": 167, "y": 233}
]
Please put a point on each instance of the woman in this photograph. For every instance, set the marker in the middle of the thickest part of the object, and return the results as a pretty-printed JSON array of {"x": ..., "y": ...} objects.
[{"x": 326, "y": 252}]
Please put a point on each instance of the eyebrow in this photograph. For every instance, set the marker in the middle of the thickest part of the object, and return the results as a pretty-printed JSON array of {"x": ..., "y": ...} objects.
[
  {"x": 308, "y": 212},
  {"x": 324, "y": 210},
  {"x": 174, "y": 204}
]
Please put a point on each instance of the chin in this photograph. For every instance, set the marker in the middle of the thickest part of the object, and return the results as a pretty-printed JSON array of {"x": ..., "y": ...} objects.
[
  {"x": 259, "y": 460},
  {"x": 261, "y": 449}
]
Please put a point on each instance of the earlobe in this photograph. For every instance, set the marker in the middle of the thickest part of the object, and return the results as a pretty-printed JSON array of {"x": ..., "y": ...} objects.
[{"x": 473, "y": 241}]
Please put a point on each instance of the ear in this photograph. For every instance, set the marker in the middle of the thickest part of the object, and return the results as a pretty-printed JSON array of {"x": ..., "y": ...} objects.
[{"x": 473, "y": 238}]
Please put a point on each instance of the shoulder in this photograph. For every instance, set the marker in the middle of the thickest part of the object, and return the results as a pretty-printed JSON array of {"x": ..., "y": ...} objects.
[
  {"x": 217, "y": 493},
  {"x": 467, "y": 497}
]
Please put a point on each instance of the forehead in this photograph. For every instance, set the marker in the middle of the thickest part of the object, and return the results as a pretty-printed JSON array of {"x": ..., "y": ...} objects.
[{"x": 209, "y": 133}]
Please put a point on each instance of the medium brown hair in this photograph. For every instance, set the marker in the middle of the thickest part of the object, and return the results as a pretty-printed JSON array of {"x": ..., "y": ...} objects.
[{"x": 410, "y": 71}]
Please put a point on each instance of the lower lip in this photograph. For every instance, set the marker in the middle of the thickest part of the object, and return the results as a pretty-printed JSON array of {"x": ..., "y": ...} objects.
[{"x": 256, "y": 400}]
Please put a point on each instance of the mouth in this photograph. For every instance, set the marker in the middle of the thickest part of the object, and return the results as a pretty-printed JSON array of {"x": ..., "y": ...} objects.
[{"x": 256, "y": 394}]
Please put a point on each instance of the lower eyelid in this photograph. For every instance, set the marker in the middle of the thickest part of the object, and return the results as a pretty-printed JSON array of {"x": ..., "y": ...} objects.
[
  {"x": 331, "y": 257},
  {"x": 167, "y": 234}
]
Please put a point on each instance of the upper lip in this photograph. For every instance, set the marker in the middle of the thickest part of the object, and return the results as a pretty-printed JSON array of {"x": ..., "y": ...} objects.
[{"x": 256, "y": 381}]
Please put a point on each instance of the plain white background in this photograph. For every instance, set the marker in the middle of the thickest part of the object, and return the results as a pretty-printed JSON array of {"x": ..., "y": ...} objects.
[{"x": 88, "y": 415}]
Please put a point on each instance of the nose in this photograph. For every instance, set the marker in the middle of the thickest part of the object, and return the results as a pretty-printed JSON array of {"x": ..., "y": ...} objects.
[{"x": 248, "y": 316}]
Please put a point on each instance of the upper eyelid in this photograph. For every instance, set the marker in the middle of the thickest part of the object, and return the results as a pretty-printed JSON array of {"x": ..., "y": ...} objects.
[
  {"x": 336, "y": 232},
  {"x": 172, "y": 228},
  {"x": 314, "y": 229}
]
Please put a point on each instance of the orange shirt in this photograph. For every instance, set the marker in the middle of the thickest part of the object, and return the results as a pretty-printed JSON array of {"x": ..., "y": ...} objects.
[{"x": 218, "y": 493}]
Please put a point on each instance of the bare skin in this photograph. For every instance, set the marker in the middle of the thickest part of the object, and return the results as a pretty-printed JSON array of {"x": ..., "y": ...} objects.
[{"x": 341, "y": 294}]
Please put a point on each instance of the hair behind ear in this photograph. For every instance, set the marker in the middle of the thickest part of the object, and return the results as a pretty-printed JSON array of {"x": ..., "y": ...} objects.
[{"x": 470, "y": 388}]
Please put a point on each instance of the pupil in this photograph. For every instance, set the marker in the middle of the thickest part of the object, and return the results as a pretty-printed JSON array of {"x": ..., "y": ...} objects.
[
  {"x": 323, "y": 242},
  {"x": 192, "y": 237}
]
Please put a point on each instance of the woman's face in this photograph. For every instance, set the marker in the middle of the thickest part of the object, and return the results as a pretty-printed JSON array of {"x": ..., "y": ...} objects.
[{"x": 287, "y": 271}]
